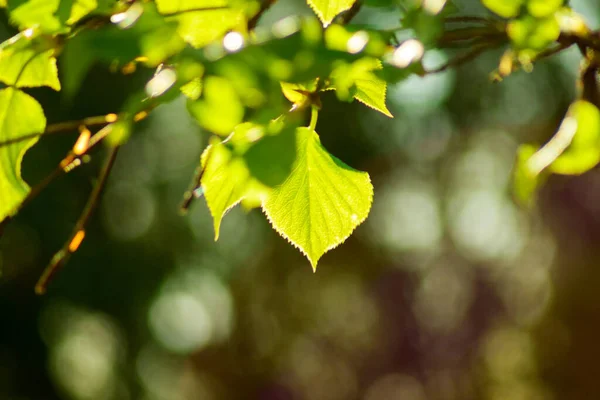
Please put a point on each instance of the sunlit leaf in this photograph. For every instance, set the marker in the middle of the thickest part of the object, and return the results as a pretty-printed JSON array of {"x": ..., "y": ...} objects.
[
  {"x": 52, "y": 15},
  {"x": 360, "y": 81},
  {"x": 20, "y": 115},
  {"x": 23, "y": 65},
  {"x": 219, "y": 110},
  {"x": 322, "y": 201},
  {"x": 327, "y": 10},
  {"x": 224, "y": 180},
  {"x": 573, "y": 150},
  {"x": 543, "y": 8},
  {"x": 533, "y": 33},
  {"x": 203, "y": 21},
  {"x": 245, "y": 167},
  {"x": 504, "y": 8}
]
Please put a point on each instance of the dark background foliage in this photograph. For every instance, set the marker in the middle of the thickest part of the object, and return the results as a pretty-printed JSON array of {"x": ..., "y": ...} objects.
[{"x": 448, "y": 291}]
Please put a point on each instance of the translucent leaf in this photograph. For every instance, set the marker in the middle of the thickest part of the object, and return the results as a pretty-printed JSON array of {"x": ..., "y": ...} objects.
[
  {"x": 219, "y": 110},
  {"x": 573, "y": 150},
  {"x": 533, "y": 33},
  {"x": 327, "y": 10},
  {"x": 52, "y": 15},
  {"x": 321, "y": 202},
  {"x": 22, "y": 65},
  {"x": 543, "y": 8},
  {"x": 359, "y": 80},
  {"x": 245, "y": 168},
  {"x": 504, "y": 8},
  {"x": 224, "y": 181},
  {"x": 199, "y": 28},
  {"x": 193, "y": 89},
  {"x": 20, "y": 115}
]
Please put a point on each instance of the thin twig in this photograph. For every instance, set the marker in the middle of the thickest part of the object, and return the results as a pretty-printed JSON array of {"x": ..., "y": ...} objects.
[
  {"x": 196, "y": 9},
  {"x": 466, "y": 57},
  {"x": 64, "y": 127},
  {"x": 78, "y": 233}
]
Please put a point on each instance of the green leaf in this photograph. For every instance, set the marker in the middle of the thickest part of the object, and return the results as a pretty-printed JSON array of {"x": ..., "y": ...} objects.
[
  {"x": 543, "y": 8},
  {"x": 23, "y": 65},
  {"x": 583, "y": 153},
  {"x": 245, "y": 168},
  {"x": 321, "y": 202},
  {"x": 219, "y": 109},
  {"x": 533, "y": 33},
  {"x": 327, "y": 10},
  {"x": 199, "y": 28},
  {"x": 20, "y": 115},
  {"x": 573, "y": 150},
  {"x": 360, "y": 80},
  {"x": 224, "y": 180},
  {"x": 53, "y": 15},
  {"x": 504, "y": 8}
]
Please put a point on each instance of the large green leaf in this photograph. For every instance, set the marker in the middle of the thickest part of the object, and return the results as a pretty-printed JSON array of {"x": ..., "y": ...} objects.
[
  {"x": 322, "y": 201},
  {"x": 327, "y": 10},
  {"x": 20, "y": 115},
  {"x": 23, "y": 65}
]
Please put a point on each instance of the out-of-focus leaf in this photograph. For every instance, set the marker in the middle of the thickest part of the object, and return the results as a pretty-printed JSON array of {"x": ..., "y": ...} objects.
[
  {"x": 20, "y": 115},
  {"x": 24, "y": 64},
  {"x": 54, "y": 15},
  {"x": 543, "y": 8},
  {"x": 573, "y": 150},
  {"x": 327, "y": 10},
  {"x": 359, "y": 80},
  {"x": 219, "y": 110},
  {"x": 533, "y": 33},
  {"x": 583, "y": 152},
  {"x": 210, "y": 22},
  {"x": 193, "y": 89},
  {"x": 298, "y": 93},
  {"x": 321, "y": 202},
  {"x": 504, "y": 8}
]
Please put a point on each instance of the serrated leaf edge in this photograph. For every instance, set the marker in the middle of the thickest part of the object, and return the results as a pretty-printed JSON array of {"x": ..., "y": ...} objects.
[
  {"x": 320, "y": 14},
  {"x": 313, "y": 263}
]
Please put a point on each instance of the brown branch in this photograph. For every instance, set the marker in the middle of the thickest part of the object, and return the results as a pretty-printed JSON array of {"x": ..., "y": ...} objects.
[{"x": 78, "y": 233}]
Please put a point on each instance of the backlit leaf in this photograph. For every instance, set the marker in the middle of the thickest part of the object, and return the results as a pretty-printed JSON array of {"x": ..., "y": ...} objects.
[
  {"x": 22, "y": 65},
  {"x": 327, "y": 10},
  {"x": 20, "y": 115},
  {"x": 210, "y": 22},
  {"x": 321, "y": 202}
]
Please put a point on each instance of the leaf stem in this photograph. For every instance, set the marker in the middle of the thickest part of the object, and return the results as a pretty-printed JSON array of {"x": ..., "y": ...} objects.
[
  {"x": 78, "y": 233},
  {"x": 314, "y": 115}
]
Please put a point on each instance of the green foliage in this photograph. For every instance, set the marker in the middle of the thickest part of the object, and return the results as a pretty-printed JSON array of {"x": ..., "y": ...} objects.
[
  {"x": 574, "y": 150},
  {"x": 321, "y": 202},
  {"x": 20, "y": 116},
  {"x": 239, "y": 79},
  {"x": 327, "y": 10}
]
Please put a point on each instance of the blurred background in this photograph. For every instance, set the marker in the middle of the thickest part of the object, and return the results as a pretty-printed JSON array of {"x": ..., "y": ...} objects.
[{"x": 448, "y": 291}]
